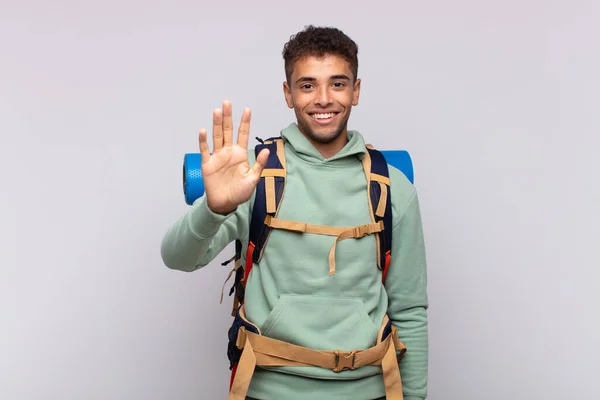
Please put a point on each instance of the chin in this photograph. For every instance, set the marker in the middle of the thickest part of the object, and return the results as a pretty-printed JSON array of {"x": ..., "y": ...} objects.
[{"x": 324, "y": 137}]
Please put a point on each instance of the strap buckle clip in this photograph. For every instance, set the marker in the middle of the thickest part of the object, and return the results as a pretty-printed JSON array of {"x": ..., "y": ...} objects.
[
  {"x": 362, "y": 231},
  {"x": 344, "y": 360}
]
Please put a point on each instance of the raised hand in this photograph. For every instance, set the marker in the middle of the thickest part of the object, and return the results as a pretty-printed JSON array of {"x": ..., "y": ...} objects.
[{"x": 228, "y": 179}]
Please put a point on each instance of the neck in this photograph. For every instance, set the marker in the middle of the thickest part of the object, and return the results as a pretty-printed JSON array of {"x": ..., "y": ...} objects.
[{"x": 329, "y": 150}]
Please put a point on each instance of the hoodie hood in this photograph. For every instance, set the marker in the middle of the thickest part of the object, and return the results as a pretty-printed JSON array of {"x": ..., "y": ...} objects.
[{"x": 298, "y": 143}]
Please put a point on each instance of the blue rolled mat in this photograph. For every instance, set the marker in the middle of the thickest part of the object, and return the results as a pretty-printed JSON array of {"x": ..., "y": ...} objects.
[{"x": 193, "y": 185}]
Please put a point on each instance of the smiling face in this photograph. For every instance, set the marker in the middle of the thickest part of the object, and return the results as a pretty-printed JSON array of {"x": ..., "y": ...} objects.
[{"x": 322, "y": 92}]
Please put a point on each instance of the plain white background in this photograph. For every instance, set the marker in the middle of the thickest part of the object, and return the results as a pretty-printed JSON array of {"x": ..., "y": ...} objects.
[{"x": 496, "y": 101}]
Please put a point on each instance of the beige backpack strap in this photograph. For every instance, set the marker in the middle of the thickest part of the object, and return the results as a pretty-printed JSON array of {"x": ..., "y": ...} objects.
[
  {"x": 366, "y": 163},
  {"x": 340, "y": 233}
]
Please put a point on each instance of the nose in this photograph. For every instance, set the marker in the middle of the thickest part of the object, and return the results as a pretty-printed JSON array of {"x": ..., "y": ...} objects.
[{"x": 323, "y": 97}]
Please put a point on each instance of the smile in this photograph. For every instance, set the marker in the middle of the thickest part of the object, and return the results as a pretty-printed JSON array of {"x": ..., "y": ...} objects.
[{"x": 324, "y": 118}]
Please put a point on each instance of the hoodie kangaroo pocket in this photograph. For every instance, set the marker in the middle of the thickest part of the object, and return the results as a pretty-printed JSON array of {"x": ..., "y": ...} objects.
[{"x": 322, "y": 323}]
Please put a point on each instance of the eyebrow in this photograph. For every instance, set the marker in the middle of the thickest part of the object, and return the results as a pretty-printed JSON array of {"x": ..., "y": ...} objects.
[{"x": 311, "y": 79}]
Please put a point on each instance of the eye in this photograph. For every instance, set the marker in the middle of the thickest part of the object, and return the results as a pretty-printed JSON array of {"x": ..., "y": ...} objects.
[
  {"x": 306, "y": 86},
  {"x": 339, "y": 84}
]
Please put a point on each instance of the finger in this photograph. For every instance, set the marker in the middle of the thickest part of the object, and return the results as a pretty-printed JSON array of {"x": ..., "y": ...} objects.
[
  {"x": 261, "y": 162},
  {"x": 227, "y": 124},
  {"x": 217, "y": 129},
  {"x": 204, "y": 150},
  {"x": 244, "y": 131}
]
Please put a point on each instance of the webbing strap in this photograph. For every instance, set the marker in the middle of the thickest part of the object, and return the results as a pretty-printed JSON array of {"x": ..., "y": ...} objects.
[
  {"x": 280, "y": 153},
  {"x": 378, "y": 183},
  {"x": 341, "y": 233},
  {"x": 366, "y": 162},
  {"x": 243, "y": 373},
  {"x": 238, "y": 263},
  {"x": 380, "y": 178},
  {"x": 274, "y": 353},
  {"x": 382, "y": 200},
  {"x": 270, "y": 194},
  {"x": 259, "y": 350},
  {"x": 273, "y": 172},
  {"x": 391, "y": 373}
]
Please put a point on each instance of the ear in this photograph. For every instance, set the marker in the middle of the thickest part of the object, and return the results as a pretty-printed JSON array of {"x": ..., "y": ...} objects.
[
  {"x": 356, "y": 93},
  {"x": 287, "y": 92}
]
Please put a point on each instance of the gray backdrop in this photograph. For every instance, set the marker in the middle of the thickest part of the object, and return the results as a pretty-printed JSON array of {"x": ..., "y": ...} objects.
[{"x": 496, "y": 101}]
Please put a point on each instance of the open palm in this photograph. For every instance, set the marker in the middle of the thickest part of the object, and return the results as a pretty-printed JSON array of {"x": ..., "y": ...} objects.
[{"x": 228, "y": 179}]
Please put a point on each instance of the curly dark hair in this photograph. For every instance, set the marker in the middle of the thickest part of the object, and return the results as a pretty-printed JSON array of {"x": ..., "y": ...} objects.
[{"x": 317, "y": 42}]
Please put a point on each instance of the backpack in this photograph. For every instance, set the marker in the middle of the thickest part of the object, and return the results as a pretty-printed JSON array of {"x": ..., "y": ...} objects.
[
  {"x": 243, "y": 333},
  {"x": 269, "y": 193}
]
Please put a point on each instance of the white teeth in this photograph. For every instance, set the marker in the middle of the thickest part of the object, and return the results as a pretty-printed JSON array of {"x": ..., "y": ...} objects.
[{"x": 323, "y": 116}]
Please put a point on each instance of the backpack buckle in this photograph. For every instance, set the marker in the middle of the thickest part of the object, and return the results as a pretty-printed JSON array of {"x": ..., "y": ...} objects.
[
  {"x": 361, "y": 231},
  {"x": 344, "y": 360}
]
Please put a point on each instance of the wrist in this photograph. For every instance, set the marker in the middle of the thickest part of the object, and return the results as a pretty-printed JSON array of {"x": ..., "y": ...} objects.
[
  {"x": 223, "y": 211},
  {"x": 203, "y": 221}
]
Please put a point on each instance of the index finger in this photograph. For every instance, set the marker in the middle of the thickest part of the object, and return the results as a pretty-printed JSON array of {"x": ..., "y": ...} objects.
[{"x": 244, "y": 130}]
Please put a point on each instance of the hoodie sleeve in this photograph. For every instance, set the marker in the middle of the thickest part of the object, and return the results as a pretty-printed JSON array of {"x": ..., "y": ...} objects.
[
  {"x": 406, "y": 285},
  {"x": 199, "y": 235},
  {"x": 195, "y": 239}
]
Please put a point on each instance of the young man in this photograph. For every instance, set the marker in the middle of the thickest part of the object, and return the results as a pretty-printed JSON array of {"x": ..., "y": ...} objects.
[{"x": 311, "y": 293}]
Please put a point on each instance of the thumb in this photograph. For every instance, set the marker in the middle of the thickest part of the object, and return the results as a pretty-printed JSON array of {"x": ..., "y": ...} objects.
[{"x": 261, "y": 162}]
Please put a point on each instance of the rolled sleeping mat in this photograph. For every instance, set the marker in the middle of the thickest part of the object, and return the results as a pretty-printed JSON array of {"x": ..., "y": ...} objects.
[
  {"x": 193, "y": 185},
  {"x": 400, "y": 159}
]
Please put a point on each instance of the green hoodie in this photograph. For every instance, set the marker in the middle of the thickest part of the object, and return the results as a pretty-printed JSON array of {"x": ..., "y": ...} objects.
[{"x": 290, "y": 295}]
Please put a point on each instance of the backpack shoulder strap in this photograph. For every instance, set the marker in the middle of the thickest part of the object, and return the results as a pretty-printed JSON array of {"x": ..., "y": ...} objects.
[
  {"x": 269, "y": 193},
  {"x": 378, "y": 178}
]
